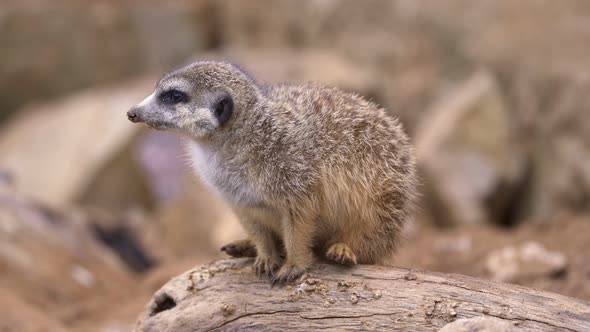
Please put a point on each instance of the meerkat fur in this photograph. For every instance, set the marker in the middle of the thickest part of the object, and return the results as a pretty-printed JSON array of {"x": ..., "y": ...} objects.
[{"x": 306, "y": 168}]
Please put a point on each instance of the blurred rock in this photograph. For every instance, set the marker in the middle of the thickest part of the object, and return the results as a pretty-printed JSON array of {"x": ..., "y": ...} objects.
[
  {"x": 54, "y": 47},
  {"x": 78, "y": 149},
  {"x": 560, "y": 145},
  {"x": 451, "y": 245},
  {"x": 528, "y": 261},
  {"x": 20, "y": 316},
  {"x": 469, "y": 154},
  {"x": 480, "y": 324},
  {"x": 196, "y": 224},
  {"x": 130, "y": 235},
  {"x": 52, "y": 259}
]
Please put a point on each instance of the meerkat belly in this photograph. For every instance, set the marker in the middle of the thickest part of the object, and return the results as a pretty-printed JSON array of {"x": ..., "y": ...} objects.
[{"x": 225, "y": 182}]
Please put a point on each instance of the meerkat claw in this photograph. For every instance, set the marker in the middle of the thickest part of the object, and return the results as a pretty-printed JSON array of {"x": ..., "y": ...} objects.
[
  {"x": 288, "y": 273},
  {"x": 265, "y": 266},
  {"x": 240, "y": 248},
  {"x": 341, "y": 253},
  {"x": 273, "y": 281},
  {"x": 270, "y": 273}
]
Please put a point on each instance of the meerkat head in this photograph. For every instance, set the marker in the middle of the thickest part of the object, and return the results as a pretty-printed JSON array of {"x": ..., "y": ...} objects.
[{"x": 198, "y": 100}]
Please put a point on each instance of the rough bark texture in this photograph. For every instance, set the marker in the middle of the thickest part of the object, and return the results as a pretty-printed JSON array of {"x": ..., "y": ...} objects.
[{"x": 226, "y": 295}]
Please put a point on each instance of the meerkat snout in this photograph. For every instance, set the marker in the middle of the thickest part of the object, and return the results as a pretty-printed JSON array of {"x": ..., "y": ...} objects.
[
  {"x": 133, "y": 115},
  {"x": 306, "y": 168}
]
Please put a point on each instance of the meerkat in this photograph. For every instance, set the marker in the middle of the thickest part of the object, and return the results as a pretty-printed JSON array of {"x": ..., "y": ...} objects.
[{"x": 306, "y": 168}]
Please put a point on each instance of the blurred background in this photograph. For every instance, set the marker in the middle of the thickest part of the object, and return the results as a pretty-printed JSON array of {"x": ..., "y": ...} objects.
[{"x": 96, "y": 213}]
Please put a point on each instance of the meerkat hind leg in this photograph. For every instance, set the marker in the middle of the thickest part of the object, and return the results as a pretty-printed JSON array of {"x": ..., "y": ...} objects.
[
  {"x": 240, "y": 248},
  {"x": 341, "y": 253}
]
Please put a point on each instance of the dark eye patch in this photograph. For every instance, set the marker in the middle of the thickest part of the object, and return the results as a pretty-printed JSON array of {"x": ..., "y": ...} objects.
[
  {"x": 224, "y": 109},
  {"x": 173, "y": 97}
]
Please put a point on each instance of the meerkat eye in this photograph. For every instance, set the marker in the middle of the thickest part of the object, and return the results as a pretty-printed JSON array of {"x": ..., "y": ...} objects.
[
  {"x": 172, "y": 97},
  {"x": 224, "y": 109}
]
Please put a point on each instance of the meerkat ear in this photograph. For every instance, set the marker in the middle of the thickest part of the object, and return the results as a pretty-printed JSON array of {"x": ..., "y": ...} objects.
[{"x": 224, "y": 109}]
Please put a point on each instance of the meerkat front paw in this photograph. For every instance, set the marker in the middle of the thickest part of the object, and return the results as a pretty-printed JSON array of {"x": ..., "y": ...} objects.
[
  {"x": 240, "y": 248},
  {"x": 341, "y": 253},
  {"x": 288, "y": 273},
  {"x": 266, "y": 265}
]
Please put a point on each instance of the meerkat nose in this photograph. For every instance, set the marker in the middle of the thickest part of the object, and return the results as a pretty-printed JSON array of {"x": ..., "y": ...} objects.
[{"x": 133, "y": 115}]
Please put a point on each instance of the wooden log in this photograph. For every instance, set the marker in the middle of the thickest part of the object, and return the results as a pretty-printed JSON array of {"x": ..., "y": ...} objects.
[{"x": 227, "y": 296}]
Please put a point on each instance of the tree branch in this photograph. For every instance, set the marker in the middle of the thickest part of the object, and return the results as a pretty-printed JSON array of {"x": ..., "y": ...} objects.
[{"x": 226, "y": 295}]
